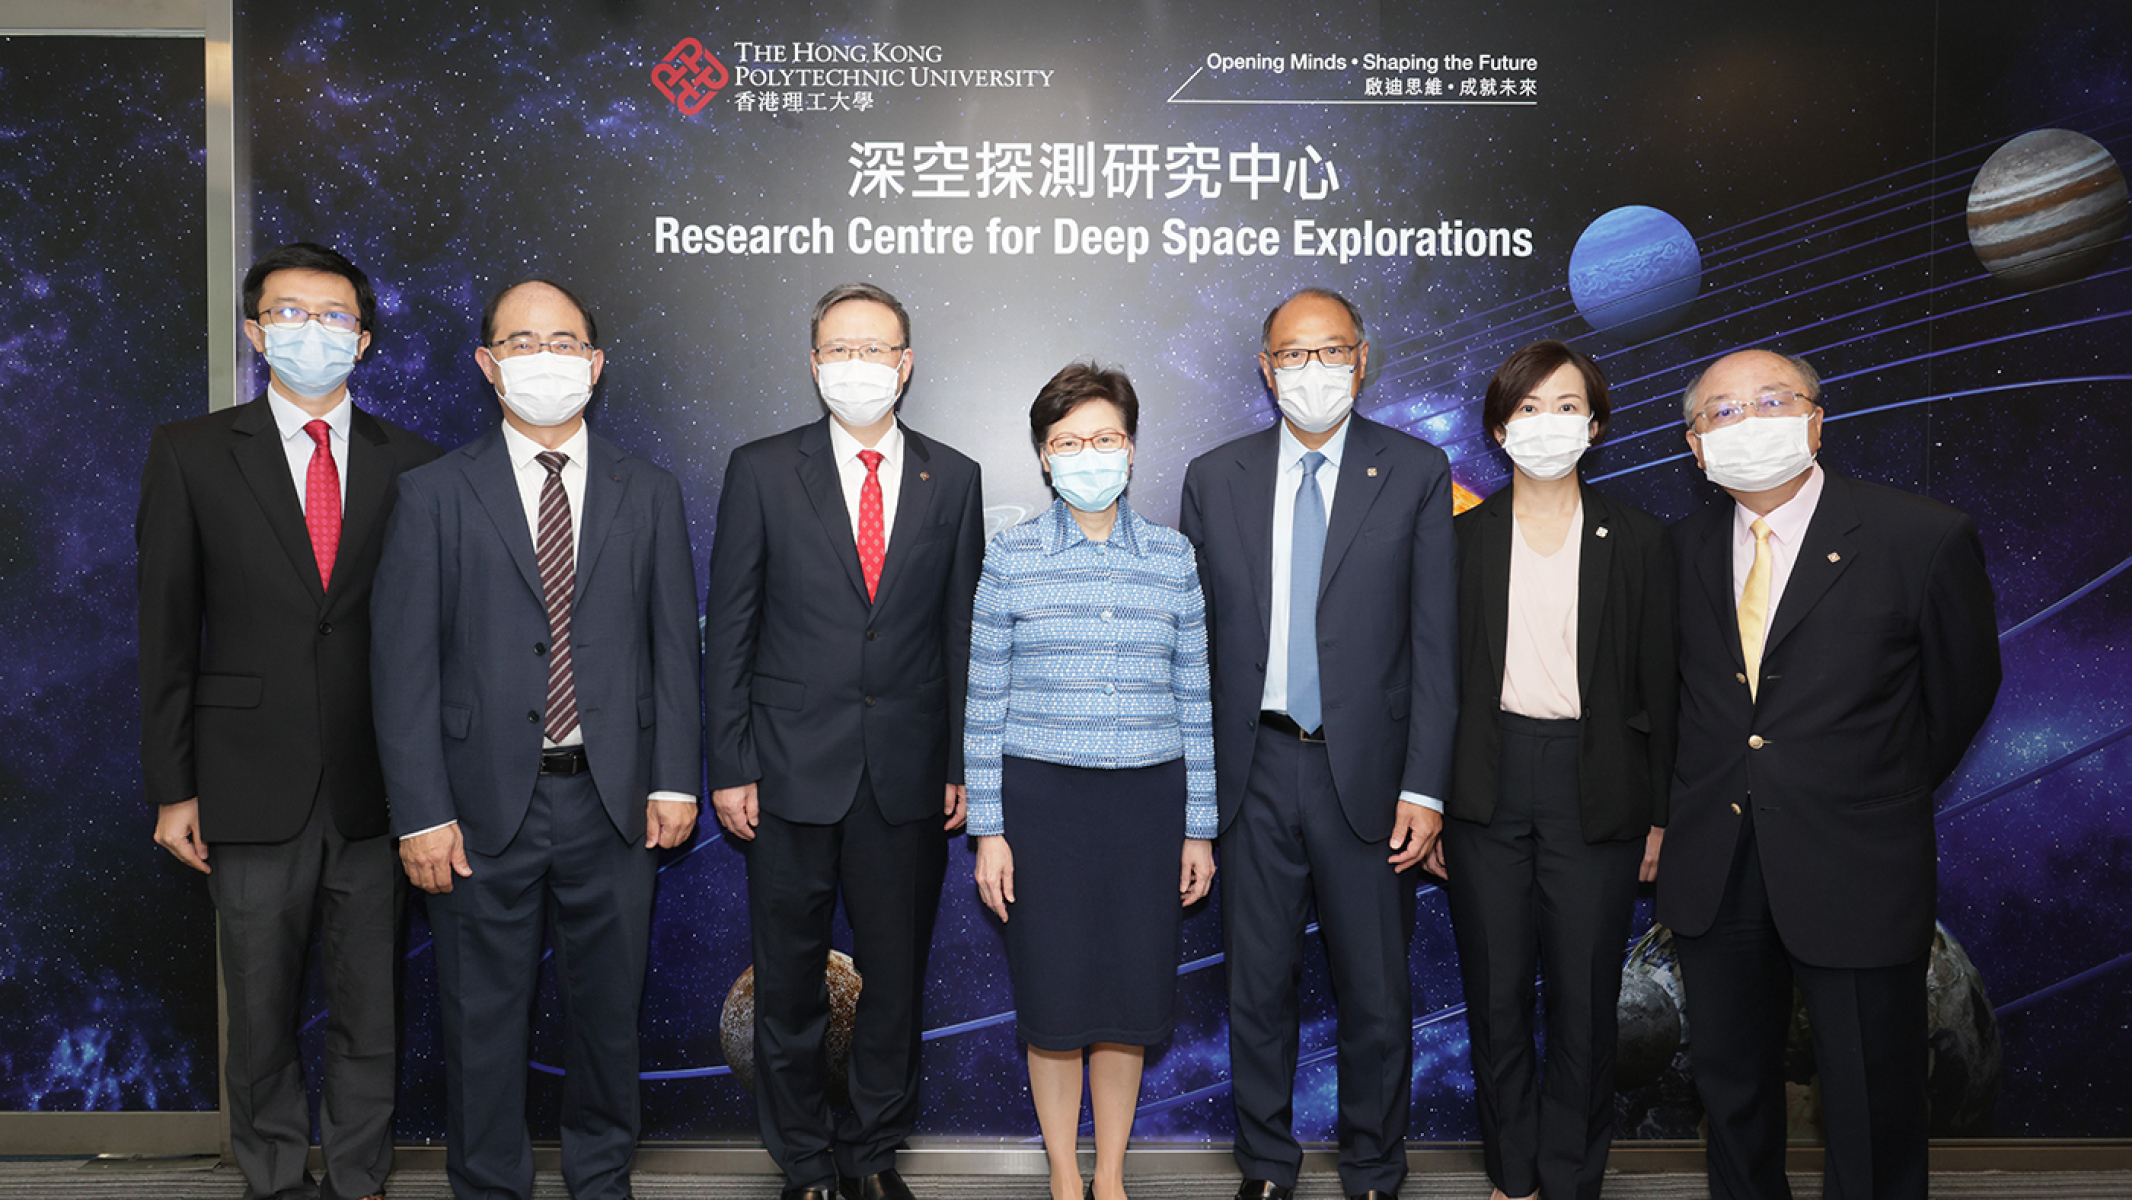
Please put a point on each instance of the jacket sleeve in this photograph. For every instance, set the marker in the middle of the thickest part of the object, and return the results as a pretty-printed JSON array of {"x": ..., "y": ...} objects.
[
  {"x": 1192, "y": 523},
  {"x": 961, "y": 599},
  {"x": 732, "y": 621},
  {"x": 1191, "y": 681},
  {"x": 676, "y": 649},
  {"x": 406, "y": 663},
  {"x": 1432, "y": 723},
  {"x": 1658, "y": 665},
  {"x": 167, "y": 538},
  {"x": 991, "y": 673},
  {"x": 1958, "y": 657}
]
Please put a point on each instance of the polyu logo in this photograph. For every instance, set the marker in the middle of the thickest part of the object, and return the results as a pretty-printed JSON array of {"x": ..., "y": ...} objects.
[{"x": 690, "y": 76}]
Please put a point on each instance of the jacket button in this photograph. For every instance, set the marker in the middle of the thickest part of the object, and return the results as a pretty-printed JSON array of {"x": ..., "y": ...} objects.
[
  {"x": 1755, "y": 742},
  {"x": 324, "y": 628},
  {"x": 869, "y": 702},
  {"x": 540, "y": 647},
  {"x": 533, "y": 717},
  {"x": 873, "y": 635},
  {"x": 1735, "y": 810},
  {"x": 1740, "y": 675}
]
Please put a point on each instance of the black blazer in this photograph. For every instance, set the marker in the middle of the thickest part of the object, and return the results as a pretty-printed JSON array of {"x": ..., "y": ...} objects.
[
  {"x": 1881, "y": 663},
  {"x": 1387, "y": 614},
  {"x": 1626, "y": 674},
  {"x": 807, "y": 683},
  {"x": 255, "y": 681}
]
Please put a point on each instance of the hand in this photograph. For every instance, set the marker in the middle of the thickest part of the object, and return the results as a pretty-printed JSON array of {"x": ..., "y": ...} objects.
[
  {"x": 177, "y": 829},
  {"x": 995, "y": 874},
  {"x": 737, "y": 810},
  {"x": 1417, "y": 838},
  {"x": 958, "y": 806},
  {"x": 433, "y": 858},
  {"x": 1197, "y": 876},
  {"x": 667, "y": 823},
  {"x": 1648, "y": 873}
]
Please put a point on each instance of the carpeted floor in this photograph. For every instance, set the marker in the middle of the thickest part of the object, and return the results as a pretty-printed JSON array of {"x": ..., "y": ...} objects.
[{"x": 59, "y": 1179}]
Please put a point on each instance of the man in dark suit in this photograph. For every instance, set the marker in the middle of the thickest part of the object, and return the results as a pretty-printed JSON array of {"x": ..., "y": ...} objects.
[
  {"x": 836, "y": 656},
  {"x": 1838, "y": 652},
  {"x": 259, "y": 531},
  {"x": 1330, "y": 570},
  {"x": 541, "y": 727}
]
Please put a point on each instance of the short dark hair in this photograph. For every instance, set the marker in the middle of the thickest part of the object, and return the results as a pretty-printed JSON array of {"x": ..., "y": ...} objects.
[
  {"x": 1077, "y": 384},
  {"x": 310, "y": 256},
  {"x": 857, "y": 291},
  {"x": 584, "y": 310},
  {"x": 1528, "y": 369},
  {"x": 1265, "y": 333}
]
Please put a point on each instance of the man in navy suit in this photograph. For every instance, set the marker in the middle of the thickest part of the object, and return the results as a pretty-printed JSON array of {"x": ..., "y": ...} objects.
[
  {"x": 1330, "y": 570},
  {"x": 539, "y": 717},
  {"x": 836, "y": 656}
]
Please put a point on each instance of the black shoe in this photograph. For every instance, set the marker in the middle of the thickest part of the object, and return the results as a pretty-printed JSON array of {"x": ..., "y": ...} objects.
[
  {"x": 808, "y": 1193},
  {"x": 882, "y": 1185},
  {"x": 1262, "y": 1189},
  {"x": 1374, "y": 1194}
]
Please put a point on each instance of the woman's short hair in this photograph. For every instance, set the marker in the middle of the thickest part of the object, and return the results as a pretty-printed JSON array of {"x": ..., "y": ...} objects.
[
  {"x": 1077, "y": 384},
  {"x": 1527, "y": 369}
]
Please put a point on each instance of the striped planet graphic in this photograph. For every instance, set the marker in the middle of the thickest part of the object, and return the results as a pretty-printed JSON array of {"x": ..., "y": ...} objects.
[
  {"x": 2047, "y": 208},
  {"x": 1634, "y": 272}
]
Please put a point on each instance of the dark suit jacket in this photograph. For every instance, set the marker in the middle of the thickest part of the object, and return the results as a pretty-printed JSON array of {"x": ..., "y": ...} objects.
[
  {"x": 255, "y": 680},
  {"x": 1626, "y": 674},
  {"x": 462, "y": 685},
  {"x": 1387, "y": 614},
  {"x": 807, "y": 684},
  {"x": 1881, "y": 664}
]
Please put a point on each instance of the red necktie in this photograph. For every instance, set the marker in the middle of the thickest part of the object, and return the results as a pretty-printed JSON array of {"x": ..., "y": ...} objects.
[
  {"x": 873, "y": 536},
  {"x": 557, "y": 550},
  {"x": 322, "y": 501}
]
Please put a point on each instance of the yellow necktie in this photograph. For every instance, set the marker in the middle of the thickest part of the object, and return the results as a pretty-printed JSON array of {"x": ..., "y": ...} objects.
[{"x": 1754, "y": 609}]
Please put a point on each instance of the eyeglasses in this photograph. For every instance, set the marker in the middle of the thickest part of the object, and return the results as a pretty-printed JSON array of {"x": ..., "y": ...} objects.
[
  {"x": 1331, "y": 356},
  {"x": 873, "y": 352},
  {"x": 1776, "y": 402},
  {"x": 512, "y": 347},
  {"x": 289, "y": 314},
  {"x": 1066, "y": 445}
]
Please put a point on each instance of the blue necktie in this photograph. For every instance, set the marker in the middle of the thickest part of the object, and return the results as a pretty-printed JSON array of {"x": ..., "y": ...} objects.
[{"x": 1306, "y": 560}]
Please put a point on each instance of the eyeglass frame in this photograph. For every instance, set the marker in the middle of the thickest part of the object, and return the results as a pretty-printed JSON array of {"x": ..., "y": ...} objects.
[
  {"x": 1125, "y": 442},
  {"x": 1313, "y": 353},
  {"x": 309, "y": 316},
  {"x": 823, "y": 354},
  {"x": 536, "y": 347},
  {"x": 1756, "y": 407}
]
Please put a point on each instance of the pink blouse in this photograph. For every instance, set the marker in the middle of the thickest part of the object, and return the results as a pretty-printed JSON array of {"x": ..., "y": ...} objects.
[{"x": 1540, "y": 651}]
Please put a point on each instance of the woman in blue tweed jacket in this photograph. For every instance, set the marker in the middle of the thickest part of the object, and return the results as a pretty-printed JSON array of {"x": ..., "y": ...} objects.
[{"x": 1089, "y": 756}]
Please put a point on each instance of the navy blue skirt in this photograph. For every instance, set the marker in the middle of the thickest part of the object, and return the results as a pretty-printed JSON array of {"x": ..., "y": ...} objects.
[{"x": 1093, "y": 934}]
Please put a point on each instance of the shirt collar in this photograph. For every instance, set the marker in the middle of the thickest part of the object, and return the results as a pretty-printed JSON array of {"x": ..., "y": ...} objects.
[
  {"x": 1787, "y": 521},
  {"x": 523, "y": 449},
  {"x": 846, "y": 446},
  {"x": 290, "y": 420},
  {"x": 1062, "y": 532},
  {"x": 1292, "y": 450}
]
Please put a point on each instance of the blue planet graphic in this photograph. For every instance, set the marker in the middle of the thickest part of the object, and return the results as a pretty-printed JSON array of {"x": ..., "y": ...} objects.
[{"x": 1634, "y": 272}]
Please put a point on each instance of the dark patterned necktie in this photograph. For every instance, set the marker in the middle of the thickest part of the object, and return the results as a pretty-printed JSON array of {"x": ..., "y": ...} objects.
[{"x": 557, "y": 551}]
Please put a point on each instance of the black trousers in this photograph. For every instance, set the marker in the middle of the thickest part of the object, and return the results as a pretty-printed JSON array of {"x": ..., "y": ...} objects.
[
  {"x": 570, "y": 878},
  {"x": 1290, "y": 848},
  {"x": 267, "y": 896},
  {"x": 889, "y": 877},
  {"x": 1528, "y": 892},
  {"x": 1870, "y": 1042}
]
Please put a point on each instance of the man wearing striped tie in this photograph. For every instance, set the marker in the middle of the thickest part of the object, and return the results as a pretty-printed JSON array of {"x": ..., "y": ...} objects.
[
  {"x": 539, "y": 718},
  {"x": 1838, "y": 651}
]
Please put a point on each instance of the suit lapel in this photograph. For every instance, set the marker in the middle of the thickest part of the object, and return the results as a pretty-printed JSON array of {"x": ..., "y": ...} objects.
[
  {"x": 1362, "y": 477},
  {"x": 914, "y": 510},
  {"x": 1595, "y": 555},
  {"x": 488, "y": 469},
  {"x": 1251, "y": 499},
  {"x": 368, "y": 480},
  {"x": 1498, "y": 526},
  {"x": 818, "y": 476},
  {"x": 1713, "y": 568},
  {"x": 265, "y": 467},
  {"x": 1824, "y": 553},
  {"x": 605, "y": 484}
]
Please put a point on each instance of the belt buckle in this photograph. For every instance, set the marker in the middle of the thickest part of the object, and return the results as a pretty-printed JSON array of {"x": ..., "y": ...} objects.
[{"x": 1304, "y": 735}]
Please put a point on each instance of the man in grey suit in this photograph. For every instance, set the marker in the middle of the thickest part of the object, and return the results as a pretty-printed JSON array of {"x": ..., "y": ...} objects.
[
  {"x": 1330, "y": 571},
  {"x": 539, "y": 716}
]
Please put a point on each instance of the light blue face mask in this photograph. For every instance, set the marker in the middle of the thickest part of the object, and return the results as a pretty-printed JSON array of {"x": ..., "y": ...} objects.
[
  {"x": 310, "y": 359},
  {"x": 1091, "y": 480}
]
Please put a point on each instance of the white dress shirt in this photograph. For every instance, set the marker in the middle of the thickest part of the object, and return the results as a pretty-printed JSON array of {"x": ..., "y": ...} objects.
[
  {"x": 531, "y": 478},
  {"x": 1287, "y": 480},
  {"x": 1787, "y": 528},
  {"x": 852, "y": 474},
  {"x": 289, "y": 421}
]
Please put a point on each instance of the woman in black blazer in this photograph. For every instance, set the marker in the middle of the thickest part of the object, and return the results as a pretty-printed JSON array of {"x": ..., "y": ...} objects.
[{"x": 1565, "y": 751}]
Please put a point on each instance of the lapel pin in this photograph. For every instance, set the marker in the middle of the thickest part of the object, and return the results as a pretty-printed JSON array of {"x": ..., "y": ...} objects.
[
  {"x": 1834, "y": 557},
  {"x": 925, "y": 476},
  {"x": 1599, "y": 532},
  {"x": 1373, "y": 472}
]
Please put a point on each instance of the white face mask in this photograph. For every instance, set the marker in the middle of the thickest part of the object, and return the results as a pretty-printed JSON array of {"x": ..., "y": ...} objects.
[
  {"x": 545, "y": 389},
  {"x": 1546, "y": 446},
  {"x": 1757, "y": 454},
  {"x": 858, "y": 392},
  {"x": 1315, "y": 397}
]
